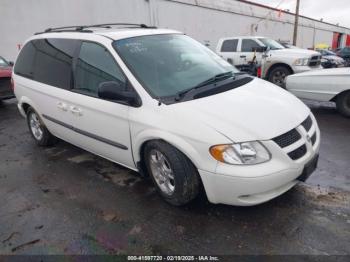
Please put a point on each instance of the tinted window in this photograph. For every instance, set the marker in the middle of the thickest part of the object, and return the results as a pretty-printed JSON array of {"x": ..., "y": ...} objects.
[
  {"x": 229, "y": 45},
  {"x": 48, "y": 61},
  {"x": 25, "y": 60},
  {"x": 248, "y": 45},
  {"x": 53, "y": 61},
  {"x": 95, "y": 66}
]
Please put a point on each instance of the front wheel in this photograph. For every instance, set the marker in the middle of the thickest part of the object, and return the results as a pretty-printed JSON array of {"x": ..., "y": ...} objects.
[
  {"x": 278, "y": 75},
  {"x": 343, "y": 104},
  {"x": 39, "y": 132},
  {"x": 174, "y": 175}
]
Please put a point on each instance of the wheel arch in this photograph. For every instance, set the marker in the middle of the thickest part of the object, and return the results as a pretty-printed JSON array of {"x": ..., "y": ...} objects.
[
  {"x": 273, "y": 66},
  {"x": 23, "y": 105},
  {"x": 151, "y": 135},
  {"x": 334, "y": 99}
]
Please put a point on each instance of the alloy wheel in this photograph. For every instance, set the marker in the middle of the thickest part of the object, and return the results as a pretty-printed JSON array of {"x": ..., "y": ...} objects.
[
  {"x": 35, "y": 126},
  {"x": 162, "y": 172}
]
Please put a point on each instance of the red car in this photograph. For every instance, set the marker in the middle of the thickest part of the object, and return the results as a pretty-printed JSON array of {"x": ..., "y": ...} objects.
[{"x": 6, "y": 90}]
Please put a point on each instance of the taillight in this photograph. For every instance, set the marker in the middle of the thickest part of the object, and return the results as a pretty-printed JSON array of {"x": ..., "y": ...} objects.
[
  {"x": 12, "y": 84},
  {"x": 258, "y": 72}
]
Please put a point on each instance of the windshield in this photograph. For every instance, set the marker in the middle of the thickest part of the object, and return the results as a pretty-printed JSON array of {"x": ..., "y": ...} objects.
[
  {"x": 3, "y": 62},
  {"x": 327, "y": 52},
  {"x": 272, "y": 44},
  {"x": 169, "y": 64}
]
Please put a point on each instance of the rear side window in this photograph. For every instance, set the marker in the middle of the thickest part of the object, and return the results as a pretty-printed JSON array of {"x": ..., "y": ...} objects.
[
  {"x": 53, "y": 61},
  {"x": 96, "y": 65},
  {"x": 25, "y": 60},
  {"x": 48, "y": 61},
  {"x": 229, "y": 45},
  {"x": 248, "y": 45}
]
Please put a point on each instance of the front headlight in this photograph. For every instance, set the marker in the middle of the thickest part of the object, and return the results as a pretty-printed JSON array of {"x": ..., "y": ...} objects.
[
  {"x": 301, "y": 62},
  {"x": 247, "y": 153}
]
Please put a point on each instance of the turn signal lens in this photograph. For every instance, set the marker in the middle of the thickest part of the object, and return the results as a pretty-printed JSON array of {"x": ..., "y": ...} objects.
[{"x": 218, "y": 151}]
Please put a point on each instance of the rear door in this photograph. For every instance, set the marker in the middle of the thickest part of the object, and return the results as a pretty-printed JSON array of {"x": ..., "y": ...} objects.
[
  {"x": 102, "y": 126},
  {"x": 43, "y": 78}
]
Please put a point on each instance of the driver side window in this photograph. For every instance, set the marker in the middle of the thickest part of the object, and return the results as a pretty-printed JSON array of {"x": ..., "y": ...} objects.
[
  {"x": 248, "y": 45},
  {"x": 95, "y": 65}
]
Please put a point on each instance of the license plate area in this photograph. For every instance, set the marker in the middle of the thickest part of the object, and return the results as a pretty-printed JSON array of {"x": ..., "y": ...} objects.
[{"x": 309, "y": 168}]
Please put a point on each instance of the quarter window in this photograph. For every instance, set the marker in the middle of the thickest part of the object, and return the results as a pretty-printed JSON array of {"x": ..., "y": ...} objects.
[
  {"x": 53, "y": 61},
  {"x": 25, "y": 60},
  {"x": 229, "y": 45},
  {"x": 248, "y": 45},
  {"x": 48, "y": 61},
  {"x": 95, "y": 65}
]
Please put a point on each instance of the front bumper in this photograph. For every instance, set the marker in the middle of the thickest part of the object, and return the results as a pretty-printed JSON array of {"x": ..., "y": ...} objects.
[{"x": 256, "y": 184}]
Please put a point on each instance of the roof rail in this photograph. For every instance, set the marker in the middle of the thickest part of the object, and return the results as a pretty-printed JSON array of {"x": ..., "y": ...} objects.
[{"x": 82, "y": 28}]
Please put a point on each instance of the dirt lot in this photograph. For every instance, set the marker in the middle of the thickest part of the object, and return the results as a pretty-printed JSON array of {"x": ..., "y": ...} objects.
[{"x": 63, "y": 200}]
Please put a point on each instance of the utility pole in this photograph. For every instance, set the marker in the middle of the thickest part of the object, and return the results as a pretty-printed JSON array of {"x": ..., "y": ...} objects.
[{"x": 295, "y": 35}]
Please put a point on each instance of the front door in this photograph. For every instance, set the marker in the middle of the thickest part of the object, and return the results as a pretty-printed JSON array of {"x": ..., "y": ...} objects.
[
  {"x": 247, "y": 51},
  {"x": 102, "y": 126}
]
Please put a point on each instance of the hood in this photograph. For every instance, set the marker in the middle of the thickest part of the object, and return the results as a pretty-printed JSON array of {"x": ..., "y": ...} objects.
[
  {"x": 258, "y": 110},
  {"x": 344, "y": 71},
  {"x": 300, "y": 53},
  {"x": 333, "y": 58}
]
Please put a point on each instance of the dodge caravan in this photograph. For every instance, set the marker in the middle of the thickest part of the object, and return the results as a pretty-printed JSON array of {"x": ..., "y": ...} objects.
[{"x": 160, "y": 103}]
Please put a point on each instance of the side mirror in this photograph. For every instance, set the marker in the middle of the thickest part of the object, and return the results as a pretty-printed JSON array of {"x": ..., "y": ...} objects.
[
  {"x": 260, "y": 49},
  {"x": 116, "y": 91},
  {"x": 11, "y": 63}
]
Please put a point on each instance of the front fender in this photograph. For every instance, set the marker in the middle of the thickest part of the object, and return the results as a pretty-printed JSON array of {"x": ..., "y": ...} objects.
[{"x": 198, "y": 154}]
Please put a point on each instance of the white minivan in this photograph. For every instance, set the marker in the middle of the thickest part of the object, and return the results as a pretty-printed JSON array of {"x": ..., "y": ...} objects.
[{"x": 160, "y": 103}]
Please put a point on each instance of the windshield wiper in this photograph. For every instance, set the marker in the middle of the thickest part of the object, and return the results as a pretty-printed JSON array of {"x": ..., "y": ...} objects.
[{"x": 212, "y": 80}]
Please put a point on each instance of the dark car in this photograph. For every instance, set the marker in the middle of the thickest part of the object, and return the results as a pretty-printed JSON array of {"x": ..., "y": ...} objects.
[
  {"x": 6, "y": 91},
  {"x": 345, "y": 54},
  {"x": 330, "y": 59}
]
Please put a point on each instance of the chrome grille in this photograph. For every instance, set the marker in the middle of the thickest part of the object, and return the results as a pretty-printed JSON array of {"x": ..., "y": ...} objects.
[
  {"x": 307, "y": 123},
  {"x": 288, "y": 138},
  {"x": 298, "y": 153},
  {"x": 313, "y": 138},
  {"x": 315, "y": 60},
  {"x": 293, "y": 143}
]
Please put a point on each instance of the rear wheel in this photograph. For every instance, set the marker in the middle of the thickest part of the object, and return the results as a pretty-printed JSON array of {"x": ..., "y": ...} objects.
[
  {"x": 174, "y": 175},
  {"x": 343, "y": 103},
  {"x": 39, "y": 132},
  {"x": 278, "y": 75}
]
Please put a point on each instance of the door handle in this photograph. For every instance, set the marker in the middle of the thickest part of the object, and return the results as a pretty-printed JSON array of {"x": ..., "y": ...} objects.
[
  {"x": 243, "y": 56},
  {"x": 62, "y": 106},
  {"x": 76, "y": 110}
]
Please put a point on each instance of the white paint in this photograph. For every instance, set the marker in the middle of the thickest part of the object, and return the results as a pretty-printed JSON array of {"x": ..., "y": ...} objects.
[
  {"x": 256, "y": 111},
  {"x": 320, "y": 85}
]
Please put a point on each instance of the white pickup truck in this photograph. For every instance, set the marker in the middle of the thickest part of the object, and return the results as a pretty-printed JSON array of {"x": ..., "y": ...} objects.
[{"x": 276, "y": 61}]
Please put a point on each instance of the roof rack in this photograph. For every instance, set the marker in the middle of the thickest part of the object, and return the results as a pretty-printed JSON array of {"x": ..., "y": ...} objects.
[{"x": 83, "y": 28}]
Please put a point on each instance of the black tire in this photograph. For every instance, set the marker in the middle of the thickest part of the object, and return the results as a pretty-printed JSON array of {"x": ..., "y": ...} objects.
[
  {"x": 46, "y": 139},
  {"x": 186, "y": 178},
  {"x": 278, "y": 75},
  {"x": 343, "y": 103}
]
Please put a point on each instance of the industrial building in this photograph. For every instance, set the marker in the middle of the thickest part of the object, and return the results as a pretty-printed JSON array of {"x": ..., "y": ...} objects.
[{"x": 204, "y": 20}]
